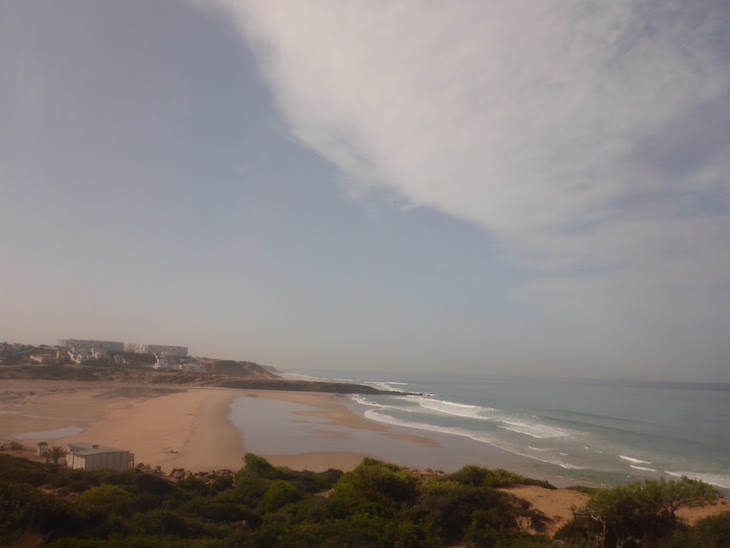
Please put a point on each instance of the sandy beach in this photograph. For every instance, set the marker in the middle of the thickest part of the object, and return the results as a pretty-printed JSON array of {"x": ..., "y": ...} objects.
[
  {"x": 162, "y": 426},
  {"x": 193, "y": 427},
  {"x": 181, "y": 427},
  {"x": 202, "y": 428}
]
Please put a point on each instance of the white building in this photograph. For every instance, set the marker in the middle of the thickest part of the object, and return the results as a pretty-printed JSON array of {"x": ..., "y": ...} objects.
[
  {"x": 158, "y": 350},
  {"x": 86, "y": 346},
  {"x": 87, "y": 456},
  {"x": 166, "y": 365},
  {"x": 194, "y": 367}
]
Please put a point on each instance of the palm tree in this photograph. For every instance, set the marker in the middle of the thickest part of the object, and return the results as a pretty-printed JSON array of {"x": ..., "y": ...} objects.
[{"x": 56, "y": 453}]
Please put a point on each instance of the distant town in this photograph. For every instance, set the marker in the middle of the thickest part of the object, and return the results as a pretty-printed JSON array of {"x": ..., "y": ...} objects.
[
  {"x": 87, "y": 360},
  {"x": 97, "y": 352}
]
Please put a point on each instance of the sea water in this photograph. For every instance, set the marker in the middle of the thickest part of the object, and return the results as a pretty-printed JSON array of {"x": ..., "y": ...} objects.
[{"x": 603, "y": 432}]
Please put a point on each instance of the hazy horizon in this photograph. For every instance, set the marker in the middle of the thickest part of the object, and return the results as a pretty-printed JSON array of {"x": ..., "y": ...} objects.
[{"x": 532, "y": 189}]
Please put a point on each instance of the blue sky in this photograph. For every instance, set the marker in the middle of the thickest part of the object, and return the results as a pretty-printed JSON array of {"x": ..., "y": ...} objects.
[{"x": 503, "y": 187}]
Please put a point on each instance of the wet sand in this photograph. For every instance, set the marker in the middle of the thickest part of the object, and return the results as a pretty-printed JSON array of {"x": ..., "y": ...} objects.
[{"x": 193, "y": 427}]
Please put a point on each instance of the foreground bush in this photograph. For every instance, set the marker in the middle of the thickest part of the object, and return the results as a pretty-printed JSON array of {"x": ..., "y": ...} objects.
[
  {"x": 636, "y": 514},
  {"x": 376, "y": 504}
]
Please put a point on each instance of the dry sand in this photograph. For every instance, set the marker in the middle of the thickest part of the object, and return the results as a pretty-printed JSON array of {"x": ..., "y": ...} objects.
[
  {"x": 180, "y": 427},
  {"x": 162, "y": 426}
]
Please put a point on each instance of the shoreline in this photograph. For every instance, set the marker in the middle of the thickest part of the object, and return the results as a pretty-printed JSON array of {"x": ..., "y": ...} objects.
[
  {"x": 204, "y": 429},
  {"x": 194, "y": 427}
]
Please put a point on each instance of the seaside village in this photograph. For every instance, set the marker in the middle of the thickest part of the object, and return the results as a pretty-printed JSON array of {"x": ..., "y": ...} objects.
[
  {"x": 92, "y": 352},
  {"x": 89, "y": 456}
]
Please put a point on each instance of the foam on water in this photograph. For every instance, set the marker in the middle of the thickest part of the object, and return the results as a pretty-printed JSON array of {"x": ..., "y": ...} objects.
[
  {"x": 632, "y": 459},
  {"x": 644, "y": 468},
  {"x": 719, "y": 480},
  {"x": 589, "y": 432},
  {"x": 363, "y": 401},
  {"x": 476, "y": 436},
  {"x": 451, "y": 408},
  {"x": 535, "y": 430},
  {"x": 386, "y": 385},
  {"x": 387, "y": 419}
]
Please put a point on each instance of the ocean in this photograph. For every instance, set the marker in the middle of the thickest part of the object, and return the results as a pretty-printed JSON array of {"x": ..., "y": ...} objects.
[{"x": 601, "y": 432}]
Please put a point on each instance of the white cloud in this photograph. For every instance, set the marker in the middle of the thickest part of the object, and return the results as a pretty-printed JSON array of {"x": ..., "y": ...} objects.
[{"x": 585, "y": 136}]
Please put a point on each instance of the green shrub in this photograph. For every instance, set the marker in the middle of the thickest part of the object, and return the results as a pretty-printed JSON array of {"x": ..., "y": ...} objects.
[
  {"x": 635, "y": 514},
  {"x": 108, "y": 499},
  {"x": 258, "y": 467},
  {"x": 214, "y": 511},
  {"x": 19, "y": 470},
  {"x": 222, "y": 483},
  {"x": 23, "y": 508},
  {"x": 464, "y": 508},
  {"x": 160, "y": 522},
  {"x": 194, "y": 485},
  {"x": 476, "y": 476},
  {"x": 712, "y": 532},
  {"x": 154, "y": 485},
  {"x": 250, "y": 490},
  {"x": 280, "y": 493},
  {"x": 376, "y": 482}
]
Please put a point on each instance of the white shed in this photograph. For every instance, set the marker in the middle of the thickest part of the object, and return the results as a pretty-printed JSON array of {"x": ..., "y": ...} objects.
[{"x": 87, "y": 456}]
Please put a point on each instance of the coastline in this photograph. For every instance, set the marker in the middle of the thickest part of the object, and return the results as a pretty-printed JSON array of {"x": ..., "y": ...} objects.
[
  {"x": 197, "y": 427},
  {"x": 210, "y": 428}
]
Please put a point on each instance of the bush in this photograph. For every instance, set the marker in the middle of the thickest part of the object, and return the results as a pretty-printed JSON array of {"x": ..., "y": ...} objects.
[
  {"x": 635, "y": 514},
  {"x": 280, "y": 493},
  {"x": 466, "y": 509},
  {"x": 258, "y": 467},
  {"x": 476, "y": 476},
  {"x": 160, "y": 522},
  {"x": 194, "y": 485},
  {"x": 214, "y": 511},
  {"x": 23, "y": 508},
  {"x": 712, "y": 532},
  {"x": 19, "y": 470},
  {"x": 374, "y": 481},
  {"x": 107, "y": 499}
]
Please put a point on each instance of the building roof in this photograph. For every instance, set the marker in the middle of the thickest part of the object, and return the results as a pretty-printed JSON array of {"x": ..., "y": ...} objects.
[{"x": 86, "y": 449}]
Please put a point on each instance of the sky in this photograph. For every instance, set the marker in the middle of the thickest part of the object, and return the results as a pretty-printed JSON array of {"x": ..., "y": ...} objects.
[{"x": 504, "y": 187}]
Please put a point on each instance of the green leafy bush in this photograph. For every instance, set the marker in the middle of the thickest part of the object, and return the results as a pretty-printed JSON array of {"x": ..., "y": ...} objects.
[
  {"x": 22, "y": 471},
  {"x": 476, "y": 476},
  {"x": 376, "y": 483},
  {"x": 376, "y": 504},
  {"x": 635, "y": 514},
  {"x": 712, "y": 532},
  {"x": 24, "y": 508},
  {"x": 280, "y": 493}
]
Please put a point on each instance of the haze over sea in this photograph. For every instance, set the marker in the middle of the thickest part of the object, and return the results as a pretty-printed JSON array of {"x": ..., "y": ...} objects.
[{"x": 602, "y": 431}]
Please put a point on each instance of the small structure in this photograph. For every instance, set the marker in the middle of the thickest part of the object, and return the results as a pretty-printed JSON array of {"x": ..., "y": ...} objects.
[
  {"x": 87, "y": 456},
  {"x": 42, "y": 448},
  {"x": 192, "y": 367}
]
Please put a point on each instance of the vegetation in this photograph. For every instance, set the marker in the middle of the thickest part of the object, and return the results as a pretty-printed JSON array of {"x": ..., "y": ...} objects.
[
  {"x": 376, "y": 504},
  {"x": 56, "y": 453},
  {"x": 637, "y": 514}
]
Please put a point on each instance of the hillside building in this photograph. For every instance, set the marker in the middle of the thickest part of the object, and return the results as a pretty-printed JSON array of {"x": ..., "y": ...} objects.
[
  {"x": 87, "y": 456},
  {"x": 158, "y": 350},
  {"x": 87, "y": 346}
]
